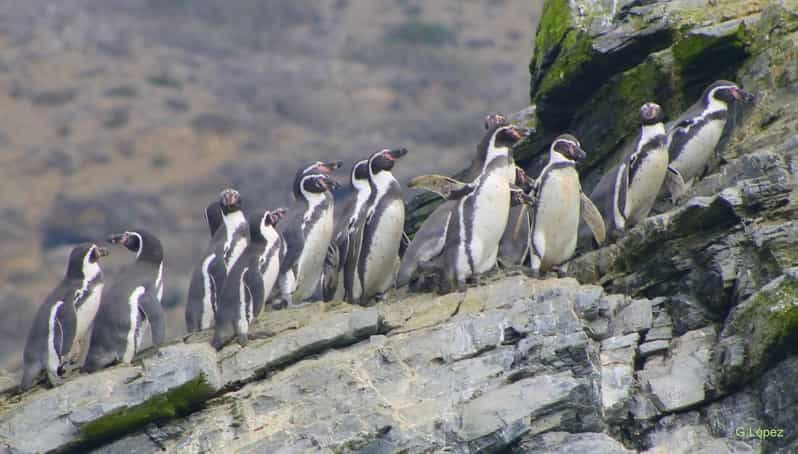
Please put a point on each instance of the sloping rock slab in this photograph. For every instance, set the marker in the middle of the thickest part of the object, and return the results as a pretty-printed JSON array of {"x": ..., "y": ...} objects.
[{"x": 107, "y": 404}]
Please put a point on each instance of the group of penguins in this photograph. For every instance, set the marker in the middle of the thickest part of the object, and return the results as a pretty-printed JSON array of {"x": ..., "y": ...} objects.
[{"x": 347, "y": 241}]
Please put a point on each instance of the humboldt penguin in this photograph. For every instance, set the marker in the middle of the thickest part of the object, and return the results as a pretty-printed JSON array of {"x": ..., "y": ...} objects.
[
  {"x": 559, "y": 203},
  {"x": 251, "y": 280},
  {"x": 307, "y": 234},
  {"x": 130, "y": 302},
  {"x": 694, "y": 136},
  {"x": 350, "y": 207},
  {"x": 373, "y": 256},
  {"x": 229, "y": 238},
  {"x": 64, "y": 316},
  {"x": 626, "y": 193},
  {"x": 427, "y": 245},
  {"x": 514, "y": 245}
]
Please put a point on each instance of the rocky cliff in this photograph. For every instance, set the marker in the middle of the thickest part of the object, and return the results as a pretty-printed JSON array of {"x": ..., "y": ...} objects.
[{"x": 679, "y": 338}]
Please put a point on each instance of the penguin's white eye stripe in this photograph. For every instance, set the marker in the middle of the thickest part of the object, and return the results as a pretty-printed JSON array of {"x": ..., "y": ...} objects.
[{"x": 723, "y": 87}]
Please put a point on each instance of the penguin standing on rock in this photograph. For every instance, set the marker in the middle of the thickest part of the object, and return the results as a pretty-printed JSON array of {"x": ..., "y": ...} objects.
[
  {"x": 131, "y": 301},
  {"x": 559, "y": 203},
  {"x": 64, "y": 316},
  {"x": 694, "y": 136},
  {"x": 307, "y": 234},
  {"x": 477, "y": 221},
  {"x": 373, "y": 257},
  {"x": 425, "y": 251},
  {"x": 350, "y": 207},
  {"x": 626, "y": 193},
  {"x": 229, "y": 238},
  {"x": 251, "y": 280}
]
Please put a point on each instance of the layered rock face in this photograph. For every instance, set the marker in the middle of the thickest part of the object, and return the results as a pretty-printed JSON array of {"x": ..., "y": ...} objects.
[{"x": 679, "y": 338}]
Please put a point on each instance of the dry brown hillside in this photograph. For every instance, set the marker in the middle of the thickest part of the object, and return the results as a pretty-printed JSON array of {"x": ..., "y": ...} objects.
[{"x": 121, "y": 113}]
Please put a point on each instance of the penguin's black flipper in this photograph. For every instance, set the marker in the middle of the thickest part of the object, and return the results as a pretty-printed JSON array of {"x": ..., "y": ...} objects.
[
  {"x": 403, "y": 243},
  {"x": 675, "y": 184},
  {"x": 68, "y": 319},
  {"x": 293, "y": 239},
  {"x": 154, "y": 312},
  {"x": 352, "y": 272},
  {"x": 592, "y": 217},
  {"x": 218, "y": 275},
  {"x": 253, "y": 281}
]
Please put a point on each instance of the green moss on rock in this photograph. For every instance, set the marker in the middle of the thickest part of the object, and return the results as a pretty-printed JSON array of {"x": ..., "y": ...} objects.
[
  {"x": 770, "y": 321},
  {"x": 575, "y": 52},
  {"x": 555, "y": 21},
  {"x": 176, "y": 402},
  {"x": 702, "y": 57}
]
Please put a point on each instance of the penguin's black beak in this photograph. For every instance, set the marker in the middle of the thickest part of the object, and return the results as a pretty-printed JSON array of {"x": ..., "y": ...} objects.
[
  {"x": 742, "y": 95},
  {"x": 521, "y": 133},
  {"x": 328, "y": 167},
  {"x": 277, "y": 215},
  {"x": 102, "y": 251},
  {"x": 578, "y": 153},
  {"x": 117, "y": 238},
  {"x": 396, "y": 153}
]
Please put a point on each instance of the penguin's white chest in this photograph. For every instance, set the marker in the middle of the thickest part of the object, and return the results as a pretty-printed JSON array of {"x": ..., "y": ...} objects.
[
  {"x": 87, "y": 311},
  {"x": 383, "y": 252},
  {"x": 698, "y": 150},
  {"x": 237, "y": 247},
  {"x": 557, "y": 217},
  {"x": 311, "y": 260},
  {"x": 271, "y": 271},
  {"x": 645, "y": 185},
  {"x": 489, "y": 218},
  {"x": 133, "y": 338}
]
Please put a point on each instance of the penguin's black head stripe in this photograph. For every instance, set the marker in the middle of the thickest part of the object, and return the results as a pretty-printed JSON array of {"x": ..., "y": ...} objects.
[
  {"x": 360, "y": 171},
  {"x": 316, "y": 183}
]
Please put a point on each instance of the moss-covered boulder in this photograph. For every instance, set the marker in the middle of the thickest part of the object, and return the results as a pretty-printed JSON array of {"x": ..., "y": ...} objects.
[{"x": 758, "y": 333}]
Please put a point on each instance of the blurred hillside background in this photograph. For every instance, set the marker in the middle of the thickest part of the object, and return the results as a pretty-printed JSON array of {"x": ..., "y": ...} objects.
[{"x": 123, "y": 113}]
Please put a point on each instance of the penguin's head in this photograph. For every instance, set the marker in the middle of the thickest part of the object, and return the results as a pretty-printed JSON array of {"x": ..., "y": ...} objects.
[
  {"x": 229, "y": 201},
  {"x": 508, "y": 136},
  {"x": 651, "y": 113},
  {"x": 384, "y": 160},
  {"x": 726, "y": 92},
  {"x": 84, "y": 260},
  {"x": 495, "y": 120},
  {"x": 143, "y": 243},
  {"x": 317, "y": 167},
  {"x": 316, "y": 183},
  {"x": 273, "y": 217},
  {"x": 569, "y": 147}
]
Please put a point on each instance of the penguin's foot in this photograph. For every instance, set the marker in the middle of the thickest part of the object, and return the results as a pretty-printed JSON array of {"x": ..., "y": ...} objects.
[
  {"x": 54, "y": 378},
  {"x": 279, "y": 304},
  {"x": 562, "y": 270},
  {"x": 243, "y": 339}
]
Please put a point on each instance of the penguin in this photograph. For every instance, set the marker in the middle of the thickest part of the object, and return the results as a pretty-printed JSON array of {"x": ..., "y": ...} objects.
[
  {"x": 694, "y": 136},
  {"x": 373, "y": 257},
  {"x": 229, "y": 238},
  {"x": 559, "y": 203},
  {"x": 428, "y": 242},
  {"x": 349, "y": 208},
  {"x": 251, "y": 279},
  {"x": 479, "y": 217},
  {"x": 514, "y": 245},
  {"x": 131, "y": 301},
  {"x": 307, "y": 235},
  {"x": 64, "y": 316},
  {"x": 626, "y": 193}
]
